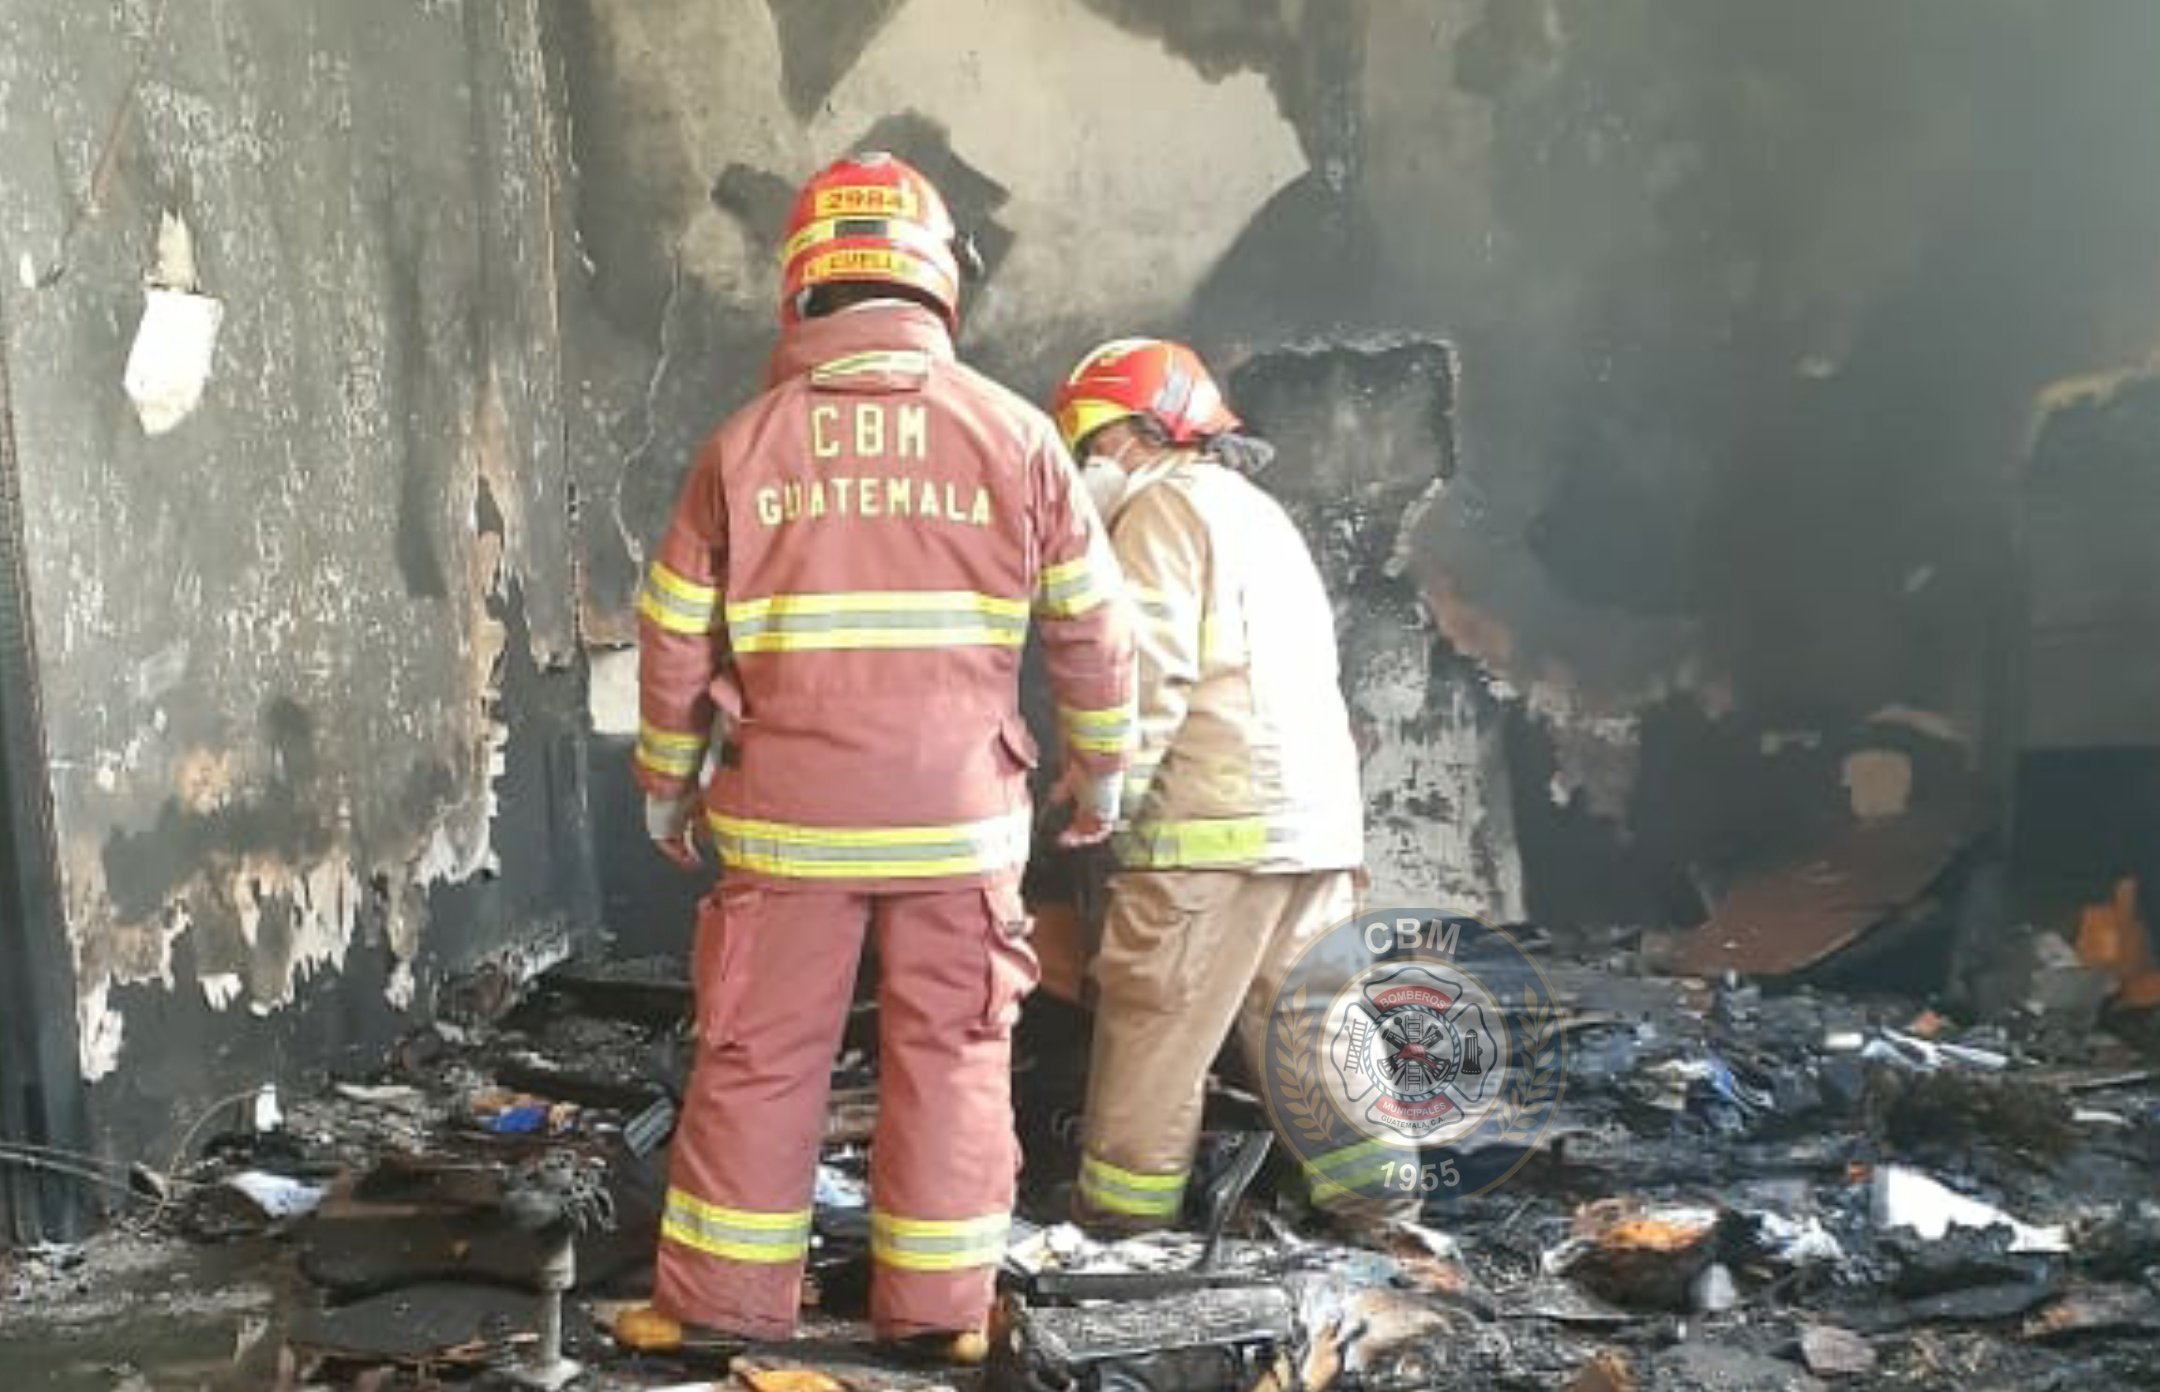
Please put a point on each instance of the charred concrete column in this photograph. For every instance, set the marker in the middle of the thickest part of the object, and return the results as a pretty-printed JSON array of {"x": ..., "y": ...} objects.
[
  {"x": 42, "y": 1095},
  {"x": 1366, "y": 434}
]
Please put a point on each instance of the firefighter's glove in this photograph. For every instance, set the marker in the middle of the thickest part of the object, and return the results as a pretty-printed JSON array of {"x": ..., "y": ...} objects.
[
  {"x": 672, "y": 825},
  {"x": 1094, "y": 799}
]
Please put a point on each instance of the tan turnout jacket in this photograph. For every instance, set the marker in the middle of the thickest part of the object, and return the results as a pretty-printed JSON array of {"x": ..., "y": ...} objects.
[{"x": 1246, "y": 759}]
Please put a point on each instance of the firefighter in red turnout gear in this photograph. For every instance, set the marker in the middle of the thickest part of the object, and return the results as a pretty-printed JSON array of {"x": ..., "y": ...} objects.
[{"x": 844, "y": 592}]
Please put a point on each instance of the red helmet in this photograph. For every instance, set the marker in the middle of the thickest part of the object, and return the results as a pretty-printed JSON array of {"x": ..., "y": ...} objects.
[
  {"x": 870, "y": 218},
  {"x": 1152, "y": 377}
]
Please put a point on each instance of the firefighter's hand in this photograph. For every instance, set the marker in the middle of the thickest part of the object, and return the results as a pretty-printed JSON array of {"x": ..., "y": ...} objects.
[
  {"x": 672, "y": 825},
  {"x": 1085, "y": 829},
  {"x": 1094, "y": 802}
]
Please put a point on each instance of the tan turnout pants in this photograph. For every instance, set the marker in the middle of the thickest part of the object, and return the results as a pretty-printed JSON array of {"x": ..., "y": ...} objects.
[{"x": 1186, "y": 956}]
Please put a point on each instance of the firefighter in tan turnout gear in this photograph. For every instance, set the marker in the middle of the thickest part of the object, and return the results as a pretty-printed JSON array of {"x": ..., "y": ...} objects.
[
  {"x": 847, "y": 584},
  {"x": 1244, "y": 824}
]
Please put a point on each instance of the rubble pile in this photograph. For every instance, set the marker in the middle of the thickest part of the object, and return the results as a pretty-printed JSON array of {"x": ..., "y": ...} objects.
[{"x": 1741, "y": 1189}]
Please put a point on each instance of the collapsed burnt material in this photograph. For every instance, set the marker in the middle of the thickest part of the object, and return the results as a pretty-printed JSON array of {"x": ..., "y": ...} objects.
[{"x": 1741, "y": 1188}]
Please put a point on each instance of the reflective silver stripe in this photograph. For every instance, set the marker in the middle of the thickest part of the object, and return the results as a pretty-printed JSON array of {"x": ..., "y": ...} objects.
[
  {"x": 1112, "y": 1189},
  {"x": 1339, "y": 1174},
  {"x": 782, "y": 849},
  {"x": 677, "y": 604},
  {"x": 668, "y": 753},
  {"x": 745, "y": 629},
  {"x": 1067, "y": 590},
  {"x": 1099, "y": 731},
  {"x": 931, "y": 1244},
  {"x": 735, "y": 1234}
]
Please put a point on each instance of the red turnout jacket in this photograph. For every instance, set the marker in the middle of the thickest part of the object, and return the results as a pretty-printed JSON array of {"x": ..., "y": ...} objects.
[{"x": 849, "y": 579}]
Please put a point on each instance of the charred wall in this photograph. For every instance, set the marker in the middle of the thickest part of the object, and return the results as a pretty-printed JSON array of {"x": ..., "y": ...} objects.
[
  {"x": 1750, "y": 305},
  {"x": 306, "y": 645}
]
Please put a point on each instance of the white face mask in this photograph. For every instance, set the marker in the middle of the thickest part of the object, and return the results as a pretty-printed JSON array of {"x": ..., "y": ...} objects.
[
  {"x": 1106, "y": 480},
  {"x": 1106, "y": 484}
]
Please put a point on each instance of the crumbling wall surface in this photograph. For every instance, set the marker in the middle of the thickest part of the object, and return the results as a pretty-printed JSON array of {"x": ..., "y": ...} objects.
[
  {"x": 306, "y": 639},
  {"x": 1751, "y": 302}
]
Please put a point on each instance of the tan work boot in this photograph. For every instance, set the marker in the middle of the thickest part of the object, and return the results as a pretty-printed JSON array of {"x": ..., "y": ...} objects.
[
  {"x": 965, "y": 1349},
  {"x": 642, "y": 1329}
]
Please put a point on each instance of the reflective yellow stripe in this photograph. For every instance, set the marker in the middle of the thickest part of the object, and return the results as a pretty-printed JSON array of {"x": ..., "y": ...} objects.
[
  {"x": 807, "y": 852},
  {"x": 1151, "y": 603},
  {"x": 878, "y": 639},
  {"x": 1219, "y": 841},
  {"x": 1338, "y": 1174},
  {"x": 876, "y": 619},
  {"x": 875, "y": 601},
  {"x": 676, "y": 604},
  {"x": 733, "y": 1233},
  {"x": 913, "y": 236},
  {"x": 938, "y": 1244},
  {"x": 1067, "y": 590},
  {"x": 900, "y": 362},
  {"x": 667, "y": 753},
  {"x": 1098, "y": 731},
  {"x": 932, "y": 271},
  {"x": 666, "y": 578},
  {"x": 1109, "y": 1188}
]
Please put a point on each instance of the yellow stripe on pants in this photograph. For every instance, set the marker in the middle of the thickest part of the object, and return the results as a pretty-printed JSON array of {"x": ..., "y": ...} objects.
[
  {"x": 938, "y": 1244},
  {"x": 735, "y": 1234},
  {"x": 1111, "y": 1188}
]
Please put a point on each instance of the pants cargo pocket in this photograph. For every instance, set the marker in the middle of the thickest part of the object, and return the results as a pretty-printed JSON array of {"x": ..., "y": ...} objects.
[
  {"x": 1146, "y": 959},
  {"x": 726, "y": 919},
  {"x": 1010, "y": 966}
]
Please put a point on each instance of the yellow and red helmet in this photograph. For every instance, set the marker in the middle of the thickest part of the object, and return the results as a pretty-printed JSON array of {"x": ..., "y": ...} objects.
[
  {"x": 1152, "y": 377},
  {"x": 870, "y": 218}
]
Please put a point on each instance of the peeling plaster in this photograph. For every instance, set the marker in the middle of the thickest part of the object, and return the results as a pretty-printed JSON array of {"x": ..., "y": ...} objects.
[
  {"x": 221, "y": 989},
  {"x": 2085, "y": 390},
  {"x": 1595, "y": 756},
  {"x": 612, "y": 692},
  {"x": 1438, "y": 829},
  {"x": 403, "y": 986},
  {"x": 1034, "y": 78}
]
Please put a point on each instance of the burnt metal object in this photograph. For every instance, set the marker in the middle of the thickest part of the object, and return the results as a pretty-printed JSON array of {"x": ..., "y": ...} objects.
[
  {"x": 1245, "y": 1154},
  {"x": 1070, "y": 1287},
  {"x": 1799, "y": 914},
  {"x": 1205, "y": 1340},
  {"x": 557, "y": 1195},
  {"x": 614, "y": 992},
  {"x": 649, "y": 1130}
]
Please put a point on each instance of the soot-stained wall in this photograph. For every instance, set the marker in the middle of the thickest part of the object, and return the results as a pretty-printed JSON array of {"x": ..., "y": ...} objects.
[
  {"x": 1749, "y": 305},
  {"x": 308, "y": 653}
]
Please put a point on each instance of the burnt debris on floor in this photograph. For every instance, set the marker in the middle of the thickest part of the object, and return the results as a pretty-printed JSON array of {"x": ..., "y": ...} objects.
[{"x": 1761, "y": 1181}]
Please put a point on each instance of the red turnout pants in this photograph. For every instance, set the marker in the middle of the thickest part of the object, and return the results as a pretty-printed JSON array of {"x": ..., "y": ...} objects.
[{"x": 774, "y": 972}]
